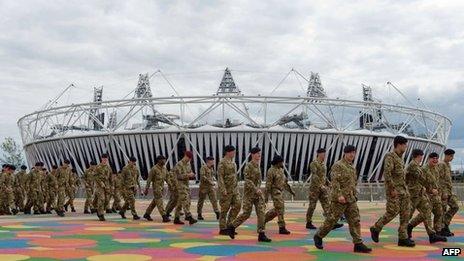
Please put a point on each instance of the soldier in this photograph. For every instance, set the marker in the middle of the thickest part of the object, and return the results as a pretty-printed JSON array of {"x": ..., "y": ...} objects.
[
  {"x": 44, "y": 188},
  {"x": 229, "y": 196},
  {"x": 116, "y": 192},
  {"x": 416, "y": 182},
  {"x": 102, "y": 175},
  {"x": 397, "y": 194},
  {"x": 158, "y": 175},
  {"x": 430, "y": 172},
  {"x": 20, "y": 188},
  {"x": 62, "y": 177},
  {"x": 184, "y": 173},
  {"x": 448, "y": 198},
  {"x": 52, "y": 189},
  {"x": 343, "y": 201},
  {"x": 173, "y": 192},
  {"x": 207, "y": 188},
  {"x": 130, "y": 182},
  {"x": 89, "y": 184},
  {"x": 276, "y": 182},
  {"x": 35, "y": 190},
  {"x": 71, "y": 190},
  {"x": 6, "y": 188},
  {"x": 252, "y": 196},
  {"x": 318, "y": 189}
]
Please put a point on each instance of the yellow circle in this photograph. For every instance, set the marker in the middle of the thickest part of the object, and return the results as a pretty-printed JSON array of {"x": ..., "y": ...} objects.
[
  {"x": 119, "y": 257},
  {"x": 13, "y": 257},
  {"x": 33, "y": 235},
  {"x": 166, "y": 230},
  {"x": 192, "y": 244},
  {"x": 18, "y": 226},
  {"x": 40, "y": 248},
  {"x": 137, "y": 240},
  {"x": 335, "y": 239},
  {"x": 237, "y": 237},
  {"x": 311, "y": 248},
  {"x": 104, "y": 228},
  {"x": 416, "y": 248}
]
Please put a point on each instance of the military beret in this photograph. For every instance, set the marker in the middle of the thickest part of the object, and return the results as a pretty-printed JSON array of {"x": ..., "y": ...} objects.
[
  {"x": 229, "y": 148},
  {"x": 349, "y": 148},
  {"x": 255, "y": 150}
]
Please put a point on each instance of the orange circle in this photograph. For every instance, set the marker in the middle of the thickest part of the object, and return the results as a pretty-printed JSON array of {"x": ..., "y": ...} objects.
[
  {"x": 63, "y": 242},
  {"x": 61, "y": 253},
  {"x": 271, "y": 255}
]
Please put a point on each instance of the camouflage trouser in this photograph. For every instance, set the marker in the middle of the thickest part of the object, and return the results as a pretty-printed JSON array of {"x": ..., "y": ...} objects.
[
  {"x": 351, "y": 212},
  {"x": 449, "y": 213},
  {"x": 156, "y": 202},
  {"x": 202, "y": 193},
  {"x": 260, "y": 207},
  {"x": 108, "y": 197},
  {"x": 396, "y": 205},
  {"x": 314, "y": 196},
  {"x": 230, "y": 207},
  {"x": 421, "y": 203},
  {"x": 183, "y": 202},
  {"x": 51, "y": 200},
  {"x": 35, "y": 201},
  {"x": 173, "y": 198},
  {"x": 71, "y": 193},
  {"x": 7, "y": 199},
  {"x": 88, "y": 198},
  {"x": 116, "y": 200},
  {"x": 278, "y": 210},
  {"x": 19, "y": 199},
  {"x": 61, "y": 198},
  {"x": 437, "y": 211},
  {"x": 99, "y": 199},
  {"x": 129, "y": 200}
]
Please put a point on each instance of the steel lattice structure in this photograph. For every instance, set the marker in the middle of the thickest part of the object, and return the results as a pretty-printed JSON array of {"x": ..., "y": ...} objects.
[{"x": 295, "y": 127}]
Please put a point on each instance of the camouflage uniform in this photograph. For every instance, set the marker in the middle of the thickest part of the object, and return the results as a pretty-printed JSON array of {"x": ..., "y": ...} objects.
[
  {"x": 431, "y": 182},
  {"x": 44, "y": 187},
  {"x": 157, "y": 176},
  {"x": 251, "y": 197},
  {"x": 71, "y": 188},
  {"x": 89, "y": 183},
  {"x": 130, "y": 177},
  {"x": 173, "y": 192},
  {"x": 20, "y": 189},
  {"x": 6, "y": 188},
  {"x": 276, "y": 182},
  {"x": 182, "y": 169},
  {"x": 448, "y": 197},
  {"x": 344, "y": 179},
  {"x": 416, "y": 182},
  {"x": 35, "y": 190},
  {"x": 394, "y": 180},
  {"x": 206, "y": 189},
  {"x": 229, "y": 196},
  {"x": 102, "y": 189},
  {"x": 62, "y": 178},
  {"x": 52, "y": 186},
  {"x": 317, "y": 189},
  {"x": 116, "y": 192}
]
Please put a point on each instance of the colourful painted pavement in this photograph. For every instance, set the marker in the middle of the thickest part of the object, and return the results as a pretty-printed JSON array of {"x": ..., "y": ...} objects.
[{"x": 81, "y": 237}]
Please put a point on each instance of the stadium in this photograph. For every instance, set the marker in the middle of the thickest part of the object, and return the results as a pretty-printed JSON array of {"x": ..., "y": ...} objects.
[{"x": 294, "y": 127}]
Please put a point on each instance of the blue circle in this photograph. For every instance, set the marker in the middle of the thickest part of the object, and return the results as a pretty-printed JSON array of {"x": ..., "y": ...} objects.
[
  {"x": 13, "y": 243},
  {"x": 229, "y": 250}
]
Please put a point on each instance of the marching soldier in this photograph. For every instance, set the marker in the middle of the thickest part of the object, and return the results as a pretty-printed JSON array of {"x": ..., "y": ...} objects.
[
  {"x": 398, "y": 201},
  {"x": 158, "y": 175},
  {"x": 62, "y": 177},
  {"x": 343, "y": 201},
  {"x": 253, "y": 196},
  {"x": 102, "y": 175},
  {"x": 116, "y": 192},
  {"x": 6, "y": 187},
  {"x": 184, "y": 172},
  {"x": 318, "y": 189},
  {"x": 229, "y": 196},
  {"x": 71, "y": 190},
  {"x": 276, "y": 182},
  {"x": 173, "y": 192},
  {"x": 35, "y": 190},
  {"x": 415, "y": 180},
  {"x": 130, "y": 182},
  {"x": 44, "y": 188},
  {"x": 88, "y": 178},
  {"x": 20, "y": 188},
  {"x": 449, "y": 199},
  {"x": 207, "y": 188},
  {"x": 52, "y": 189}
]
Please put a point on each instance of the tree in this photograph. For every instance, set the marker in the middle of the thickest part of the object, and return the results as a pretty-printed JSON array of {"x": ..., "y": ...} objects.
[{"x": 12, "y": 152}]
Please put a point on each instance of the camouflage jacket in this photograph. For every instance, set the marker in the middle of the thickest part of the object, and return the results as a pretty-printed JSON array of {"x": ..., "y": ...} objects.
[
  {"x": 206, "y": 176},
  {"x": 430, "y": 177},
  {"x": 318, "y": 176},
  {"x": 444, "y": 181},
  {"x": 7, "y": 181},
  {"x": 102, "y": 176},
  {"x": 344, "y": 180},
  {"x": 182, "y": 169},
  {"x": 52, "y": 182},
  {"x": 276, "y": 182},
  {"x": 415, "y": 179},
  {"x": 35, "y": 180},
  {"x": 88, "y": 177},
  {"x": 227, "y": 177},
  {"x": 157, "y": 176},
  {"x": 62, "y": 176},
  {"x": 130, "y": 177},
  {"x": 172, "y": 181},
  {"x": 21, "y": 180},
  {"x": 252, "y": 175},
  {"x": 393, "y": 172}
]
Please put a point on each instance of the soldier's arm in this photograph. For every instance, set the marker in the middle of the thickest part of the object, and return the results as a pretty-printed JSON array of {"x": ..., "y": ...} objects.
[
  {"x": 337, "y": 179},
  {"x": 248, "y": 176},
  {"x": 269, "y": 181},
  {"x": 203, "y": 178},
  {"x": 180, "y": 175},
  {"x": 289, "y": 188},
  {"x": 221, "y": 186},
  {"x": 150, "y": 178},
  {"x": 387, "y": 173}
]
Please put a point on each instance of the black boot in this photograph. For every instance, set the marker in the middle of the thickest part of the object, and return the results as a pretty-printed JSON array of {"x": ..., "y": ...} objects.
[
  {"x": 217, "y": 215},
  {"x": 135, "y": 217},
  {"x": 86, "y": 211},
  {"x": 93, "y": 211},
  {"x": 263, "y": 238},
  {"x": 60, "y": 213},
  {"x": 283, "y": 231},
  {"x": 101, "y": 217},
  {"x": 448, "y": 230},
  {"x": 73, "y": 209},
  {"x": 224, "y": 232},
  {"x": 231, "y": 231},
  {"x": 375, "y": 234},
  {"x": 191, "y": 220},
  {"x": 147, "y": 217},
  {"x": 114, "y": 210},
  {"x": 337, "y": 225},
  {"x": 410, "y": 227},
  {"x": 406, "y": 243},
  {"x": 445, "y": 233},
  {"x": 361, "y": 248},
  {"x": 433, "y": 238},
  {"x": 178, "y": 222},
  {"x": 66, "y": 207},
  {"x": 166, "y": 219},
  {"x": 36, "y": 212},
  {"x": 108, "y": 211},
  {"x": 200, "y": 217},
  {"x": 309, "y": 225},
  {"x": 318, "y": 242},
  {"x": 14, "y": 211},
  {"x": 123, "y": 214},
  {"x": 27, "y": 211}
]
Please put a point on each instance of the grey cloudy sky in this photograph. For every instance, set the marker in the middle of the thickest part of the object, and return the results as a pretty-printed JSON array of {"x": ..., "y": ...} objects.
[{"x": 46, "y": 45}]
